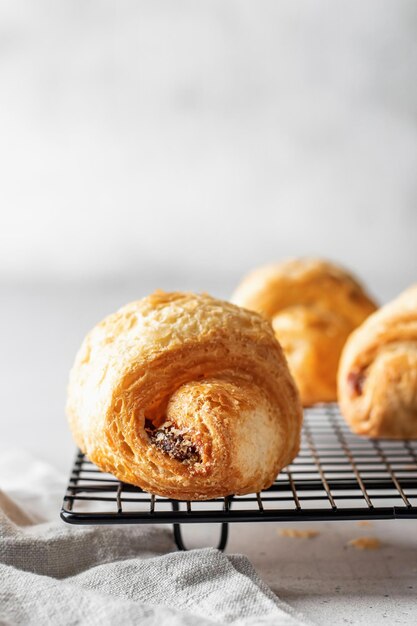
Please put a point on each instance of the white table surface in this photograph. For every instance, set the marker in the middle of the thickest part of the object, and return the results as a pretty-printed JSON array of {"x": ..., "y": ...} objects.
[
  {"x": 40, "y": 330},
  {"x": 327, "y": 580}
]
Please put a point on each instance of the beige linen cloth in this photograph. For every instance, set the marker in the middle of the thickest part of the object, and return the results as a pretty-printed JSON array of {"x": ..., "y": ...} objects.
[{"x": 54, "y": 573}]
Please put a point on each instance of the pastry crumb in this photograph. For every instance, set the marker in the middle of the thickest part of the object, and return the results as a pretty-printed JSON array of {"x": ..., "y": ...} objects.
[
  {"x": 298, "y": 533},
  {"x": 364, "y": 522},
  {"x": 365, "y": 543}
]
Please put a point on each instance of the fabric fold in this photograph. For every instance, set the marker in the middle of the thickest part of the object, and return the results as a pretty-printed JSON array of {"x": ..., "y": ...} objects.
[{"x": 53, "y": 573}]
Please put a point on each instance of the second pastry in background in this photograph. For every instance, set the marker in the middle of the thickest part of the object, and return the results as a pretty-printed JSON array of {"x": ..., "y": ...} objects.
[{"x": 313, "y": 305}]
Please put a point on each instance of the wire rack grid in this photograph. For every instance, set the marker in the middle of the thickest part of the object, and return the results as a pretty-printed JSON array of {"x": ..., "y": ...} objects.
[{"x": 336, "y": 476}]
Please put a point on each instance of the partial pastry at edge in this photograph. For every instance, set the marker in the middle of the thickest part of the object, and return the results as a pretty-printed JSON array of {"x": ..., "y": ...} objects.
[
  {"x": 313, "y": 305},
  {"x": 377, "y": 381},
  {"x": 186, "y": 396}
]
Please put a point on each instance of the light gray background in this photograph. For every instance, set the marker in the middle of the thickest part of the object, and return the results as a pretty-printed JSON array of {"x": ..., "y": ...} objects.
[
  {"x": 207, "y": 136},
  {"x": 177, "y": 144}
]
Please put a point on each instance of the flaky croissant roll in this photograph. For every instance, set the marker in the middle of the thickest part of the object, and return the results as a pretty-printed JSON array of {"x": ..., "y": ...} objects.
[
  {"x": 313, "y": 305},
  {"x": 377, "y": 378},
  {"x": 185, "y": 396}
]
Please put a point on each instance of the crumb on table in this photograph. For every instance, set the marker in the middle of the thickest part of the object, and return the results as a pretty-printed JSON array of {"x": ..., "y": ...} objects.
[
  {"x": 297, "y": 533},
  {"x": 365, "y": 543}
]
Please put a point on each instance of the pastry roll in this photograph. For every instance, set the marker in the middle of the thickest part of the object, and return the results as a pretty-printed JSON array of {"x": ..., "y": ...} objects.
[
  {"x": 185, "y": 396},
  {"x": 377, "y": 379},
  {"x": 313, "y": 305}
]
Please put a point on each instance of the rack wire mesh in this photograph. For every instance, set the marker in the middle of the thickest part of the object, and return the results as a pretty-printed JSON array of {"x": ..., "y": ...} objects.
[{"x": 336, "y": 476}]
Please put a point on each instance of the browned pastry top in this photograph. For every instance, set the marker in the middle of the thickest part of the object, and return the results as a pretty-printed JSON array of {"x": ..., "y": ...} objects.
[{"x": 307, "y": 282}]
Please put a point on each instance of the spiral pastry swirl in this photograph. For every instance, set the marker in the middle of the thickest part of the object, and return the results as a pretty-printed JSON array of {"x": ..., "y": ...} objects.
[
  {"x": 186, "y": 396},
  {"x": 377, "y": 378},
  {"x": 313, "y": 306}
]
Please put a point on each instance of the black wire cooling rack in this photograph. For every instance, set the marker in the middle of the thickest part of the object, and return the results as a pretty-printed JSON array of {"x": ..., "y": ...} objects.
[{"x": 336, "y": 476}]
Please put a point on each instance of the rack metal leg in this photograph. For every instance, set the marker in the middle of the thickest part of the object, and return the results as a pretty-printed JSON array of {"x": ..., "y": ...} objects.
[{"x": 224, "y": 532}]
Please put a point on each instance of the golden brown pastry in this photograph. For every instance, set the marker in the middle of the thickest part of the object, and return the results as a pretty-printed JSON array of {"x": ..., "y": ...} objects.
[
  {"x": 185, "y": 396},
  {"x": 377, "y": 379},
  {"x": 313, "y": 305}
]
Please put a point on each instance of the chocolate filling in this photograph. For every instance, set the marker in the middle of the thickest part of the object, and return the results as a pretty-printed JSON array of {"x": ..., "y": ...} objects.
[
  {"x": 356, "y": 381},
  {"x": 173, "y": 441}
]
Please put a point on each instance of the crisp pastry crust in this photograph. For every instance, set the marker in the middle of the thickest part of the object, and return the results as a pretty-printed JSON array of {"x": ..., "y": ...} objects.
[
  {"x": 313, "y": 305},
  {"x": 186, "y": 396},
  {"x": 377, "y": 380}
]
